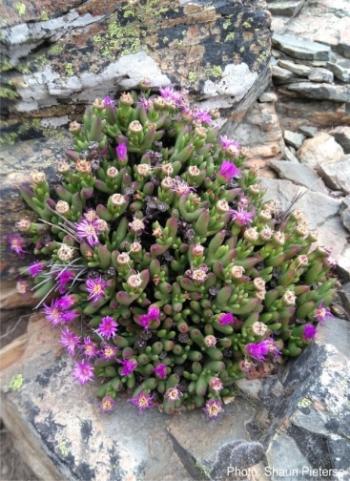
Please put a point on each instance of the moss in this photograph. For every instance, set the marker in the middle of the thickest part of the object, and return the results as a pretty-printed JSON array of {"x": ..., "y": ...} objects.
[
  {"x": 16, "y": 382},
  {"x": 69, "y": 69},
  {"x": 44, "y": 16},
  {"x": 125, "y": 38},
  {"x": 56, "y": 49},
  {"x": 215, "y": 71},
  {"x": 21, "y": 8},
  {"x": 192, "y": 77},
  {"x": 246, "y": 24},
  {"x": 8, "y": 93},
  {"x": 5, "y": 65},
  {"x": 227, "y": 23},
  {"x": 8, "y": 138},
  {"x": 230, "y": 36}
]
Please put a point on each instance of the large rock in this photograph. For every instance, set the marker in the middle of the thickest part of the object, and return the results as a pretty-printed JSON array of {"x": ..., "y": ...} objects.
[
  {"x": 337, "y": 174},
  {"x": 91, "y": 48},
  {"x": 320, "y": 149},
  {"x": 299, "y": 174},
  {"x": 342, "y": 136},
  {"x": 301, "y": 48},
  {"x": 321, "y": 91}
]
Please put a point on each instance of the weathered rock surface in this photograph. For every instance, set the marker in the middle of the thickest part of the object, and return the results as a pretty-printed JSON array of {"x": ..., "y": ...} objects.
[
  {"x": 287, "y": 8},
  {"x": 321, "y": 91},
  {"x": 301, "y": 48},
  {"x": 321, "y": 75},
  {"x": 340, "y": 68},
  {"x": 73, "y": 54},
  {"x": 293, "y": 138},
  {"x": 299, "y": 174},
  {"x": 337, "y": 174},
  {"x": 320, "y": 149},
  {"x": 342, "y": 136}
]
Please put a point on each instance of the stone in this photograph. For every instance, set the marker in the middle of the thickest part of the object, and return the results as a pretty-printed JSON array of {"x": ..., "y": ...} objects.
[
  {"x": 345, "y": 213},
  {"x": 301, "y": 48},
  {"x": 299, "y": 174},
  {"x": 296, "y": 68},
  {"x": 322, "y": 91},
  {"x": 280, "y": 74},
  {"x": 286, "y": 8},
  {"x": 340, "y": 68},
  {"x": 94, "y": 49},
  {"x": 342, "y": 136},
  {"x": 322, "y": 148},
  {"x": 293, "y": 138},
  {"x": 344, "y": 293},
  {"x": 268, "y": 97},
  {"x": 337, "y": 174},
  {"x": 321, "y": 75},
  {"x": 290, "y": 155},
  {"x": 308, "y": 130}
]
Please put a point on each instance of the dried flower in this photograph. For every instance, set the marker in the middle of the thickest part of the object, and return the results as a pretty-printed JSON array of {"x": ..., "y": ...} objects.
[
  {"x": 65, "y": 253},
  {"x": 16, "y": 243},
  {"x": 173, "y": 394},
  {"x": 237, "y": 272},
  {"x": 134, "y": 281},
  {"x": 215, "y": 384}
]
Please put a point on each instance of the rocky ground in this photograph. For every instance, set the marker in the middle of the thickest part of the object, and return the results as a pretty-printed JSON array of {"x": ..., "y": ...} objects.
[{"x": 296, "y": 134}]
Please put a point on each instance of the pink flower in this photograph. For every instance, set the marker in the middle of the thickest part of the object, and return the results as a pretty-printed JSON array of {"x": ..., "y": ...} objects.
[
  {"x": 35, "y": 269},
  {"x": 108, "y": 102},
  {"x": 170, "y": 95},
  {"x": 128, "y": 367},
  {"x": 202, "y": 116},
  {"x": 66, "y": 302},
  {"x": 160, "y": 371},
  {"x": 309, "y": 332},
  {"x": 58, "y": 311},
  {"x": 228, "y": 170},
  {"x": 122, "y": 152},
  {"x": 145, "y": 103},
  {"x": 69, "y": 316},
  {"x": 142, "y": 401},
  {"x": 107, "y": 404},
  {"x": 87, "y": 231},
  {"x": 109, "y": 352},
  {"x": 69, "y": 340},
  {"x": 242, "y": 217},
  {"x": 227, "y": 143},
  {"x": 16, "y": 243},
  {"x": 89, "y": 348},
  {"x": 108, "y": 327},
  {"x": 153, "y": 313},
  {"x": 213, "y": 408},
  {"x": 226, "y": 319},
  {"x": 53, "y": 313},
  {"x": 63, "y": 278},
  {"x": 83, "y": 372},
  {"x": 96, "y": 287},
  {"x": 258, "y": 350},
  {"x": 322, "y": 313},
  {"x": 144, "y": 321}
]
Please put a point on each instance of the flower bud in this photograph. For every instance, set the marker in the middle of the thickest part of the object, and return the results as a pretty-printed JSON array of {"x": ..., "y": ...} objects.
[
  {"x": 222, "y": 206},
  {"x": 197, "y": 250},
  {"x": 194, "y": 171},
  {"x": 135, "y": 127},
  {"x": 259, "y": 328},
  {"x": 289, "y": 298},
  {"x": 134, "y": 281},
  {"x": 24, "y": 224},
  {"x": 302, "y": 260},
  {"x": 251, "y": 234},
  {"x": 123, "y": 258},
  {"x": 74, "y": 127},
  {"x": 215, "y": 384},
  {"x": 167, "y": 169},
  {"x": 137, "y": 226},
  {"x": 112, "y": 172},
  {"x": 143, "y": 169},
  {"x": 83, "y": 166},
  {"x": 62, "y": 207},
  {"x": 237, "y": 272},
  {"x": 38, "y": 177},
  {"x": 265, "y": 214},
  {"x": 126, "y": 99},
  {"x": 266, "y": 233},
  {"x": 63, "y": 167},
  {"x": 117, "y": 200},
  {"x": 210, "y": 341},
  {"x": 135, "y": 247},
  {"x": 65, "y": 253},
  {"x": 279, "y": 237}
]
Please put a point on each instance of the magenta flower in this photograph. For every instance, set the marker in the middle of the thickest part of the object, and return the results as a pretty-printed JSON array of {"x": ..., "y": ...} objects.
[
  {"x": 170, "y": 95},
  {"x": 142, "y": 401},
  {"x": 96, "y": 287},
  {"x": 227, "y": 143},
  {"x": 86, "y": 230},
  {"x": 122, "y": 152},
  {"x": 69, "y": 316},
  {"x": 153, "y": 313},
  {"x": 63, "y": 278},
  {"x": 108, "y": 327},
  {"x": 109, "y": 352},
  {"x": 213, "y": 408},
  {"x": 83, "y": 372},
  {"x": 16, "y": 243},
  {"x": 144, "y": 103},
  {"x": 322, "y": 313},
  {"x": 228, "y": 170},
  {"x": 108, "y": 102},
  {"x": 58, "y": 311},
  {"x": 66, "y": 302},
  {"x": 107, "y": 404},
  {"x": 69, "y": 340},
  {"x": 89, "y": 348},
  {"x": 53, "y": 313},
  {"x": 258, "y": 350},
  {"x": 309, "y": 332},
  {"x": 35, "y": 269},
  {"x": 242, "y": 217},
  {"x": 160, "y": 371},
  {"x": 226, "y": 319},
  {"x": 202, "y": 116},
  {"x": 128, "y": 367},
  {"x": 145, "y": 321}
]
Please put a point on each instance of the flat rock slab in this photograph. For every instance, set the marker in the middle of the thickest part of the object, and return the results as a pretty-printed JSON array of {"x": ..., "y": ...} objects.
[
  {"x": 301, "y": 48},
  {"x": 337, "y": 174},
  {"x": 299, "y": 174}
]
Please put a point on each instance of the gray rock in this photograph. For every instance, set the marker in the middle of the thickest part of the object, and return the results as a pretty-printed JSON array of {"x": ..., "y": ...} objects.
[
  {"x": 281, "y": 74},
  {"x": 337, "y": 174},
  {"x": 299, "y": 174},
  {"x": 321, "y": 75},
  {"x": 301, "y": 48},
  {"x": 345, "y": 217},
  {"x": 340, "y": 68},
  {"x": 322, "y": 148},
  {"x": 321, "y": 91},
  {"x": 268, "y": 97},
  {"x": 286, "y": 8},
  {"x": 290, "y": 155},
  {"x": 342, "y": 136},
  {"x": 345, "y": 296},
  {"x": 293, "y": 138},
  {"x": 308, "y": 130},
  {"x": 296, "y": 68}
]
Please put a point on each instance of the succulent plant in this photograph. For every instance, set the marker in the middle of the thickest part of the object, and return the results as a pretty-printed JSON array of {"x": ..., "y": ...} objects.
[{"x": 156, "y": 237}]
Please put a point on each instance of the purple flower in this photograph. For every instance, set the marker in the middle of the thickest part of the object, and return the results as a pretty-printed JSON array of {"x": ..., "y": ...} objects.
[
  {"x": 213, "y": 408},
  {"x": 109, "y": 352},
  {"x": 242, "y": 217},
  {"x": 309, "y": 332},
  {"x": 322, "y": 313},
  {"x": 83, "y": 372},
  {"x": 69, "y": 316},
  {"x": 142, "y": 401},
  {"x": 228, "y": 170},
  {"x": 128, "y": 367},
  {"x": 226, "y": 319},
  {"x": 87, "y": 231},
  {"x": 63, "y": 278},
  {"x": 144, "y": 103},
  {"x": 58, "y": 311},
  {"x": 69, "y": 340},
  {"x": 153, "y": 313},
  {"x": 202, "y": 116},
  {"x": 170, "y": 95},
  {"x": 122, "y": 152},
  {"x": 16, "y": 243},
  {"x": 107, "y": 404},
  {"x": 89, "y": 348},
  {"x": 36, "y": 268},
  {"x": 258, "y": 350},
  {"x": 108, "y": 327},
  {"x": 108, "y": 102},
  {"x": 96, "y": 287},
  {"x": 227, "y": 143},
  {"x": 160, "y": 371},
  {"x": 145, "y": 321},
  {"x": 53, "y": 313},
  {"x": 66, "y": 302}
]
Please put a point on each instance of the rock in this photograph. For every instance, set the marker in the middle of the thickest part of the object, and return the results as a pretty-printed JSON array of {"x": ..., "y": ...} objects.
[
  {"x": 342, "y": 136},
  {"x": 340, "y": 68},
  {"x": 322, "y": 91},
  {"x": 308, "y": 130},
  {"x": 290, "y": 156},
  {"x": 345, "y": 213},
  {"x": 345, "y": 296},
  {"x": 87, "y": 51},
  {"x": 268, "y": 97},
  {"x": 321, "y": 75},
  {"x": 337, "y": 174},
  {"x": 293, "y": 138},
  {"x": 296, "y": 68},
  {"x": 286, "y": 8},
  {"x": 301, "y": 48},
  {"x": 281, "y": 74},
  {"x": 299, "y": 174},
  {"x": 320, "y": 149}
]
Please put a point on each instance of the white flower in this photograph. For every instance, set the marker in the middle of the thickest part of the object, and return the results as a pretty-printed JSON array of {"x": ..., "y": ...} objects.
[
  {"x": 118, "y": 200},
  {"x": 123, "y": 258},
  {"x": 134, "y": 281},
  {"x": 222, "y": 205},
  {"x": 137, "y": 225},
  {"x": 251, "y": 234},
  {"x": 259, "y": 328},
  {"x": 65, "y": 253},
  {"x": 237, "y": 271},
  {"x": 112, "y": 172},
  {"x": 289, "y": 298},
  {"x": 143, "y": 169},
  {"x": 62, "y": 207}
]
